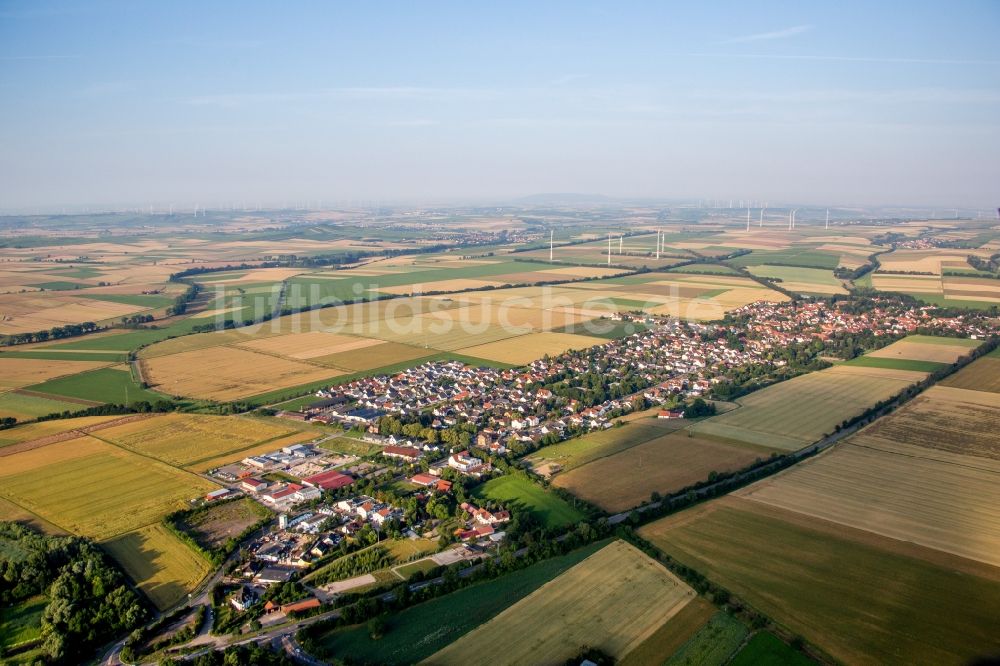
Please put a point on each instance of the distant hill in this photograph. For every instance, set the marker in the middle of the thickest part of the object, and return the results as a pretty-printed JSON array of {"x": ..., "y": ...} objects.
[{"x": 565, "y": 198}]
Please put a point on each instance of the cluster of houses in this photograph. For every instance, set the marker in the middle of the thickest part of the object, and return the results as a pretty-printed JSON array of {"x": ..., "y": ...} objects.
[
  {"x": 482, "y": 523},
  {"x": 804, "y": 321},
  {"x": 306, "y": 536}
]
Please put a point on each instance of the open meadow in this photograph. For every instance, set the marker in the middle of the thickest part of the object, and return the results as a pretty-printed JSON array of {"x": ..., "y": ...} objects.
[
  {"x": 613, "y": 601},
  {"x": 548, "y": 508}
]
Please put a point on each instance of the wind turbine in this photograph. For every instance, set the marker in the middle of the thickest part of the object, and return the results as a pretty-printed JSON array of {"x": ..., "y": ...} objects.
[
  {"x": 621, "y": 238},
  {"x": 761, "y": 224},
  {"x": 748, "y": 218},
  {"x": 552, "y": 235},
  {"x": 827, "y": 218},
  {"x": 658, "y": 232},
  {"x": 609, "y": 248},
  {"x": 789, "y": 220}
]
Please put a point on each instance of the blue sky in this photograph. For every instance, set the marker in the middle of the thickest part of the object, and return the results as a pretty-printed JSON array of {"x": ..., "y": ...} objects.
[{"x": 113, "y": 103}]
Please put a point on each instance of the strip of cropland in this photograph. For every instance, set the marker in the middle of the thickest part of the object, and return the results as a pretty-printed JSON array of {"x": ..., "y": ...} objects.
[
  {"x": 663, "y": 465},
  {"x": 800, "y": 411},
  {"x": 612, "y": 601}
]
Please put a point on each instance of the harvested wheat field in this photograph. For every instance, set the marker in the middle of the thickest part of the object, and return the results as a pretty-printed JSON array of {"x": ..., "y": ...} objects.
[
  {"x": 612, "y": 601},
  {"x": 981, "y": 375},
  {"x": 861, "y": 597},
  {"x": 162, "y": 566},
  {"x": 308, "y": 345},
  {"x": 184, "y": 439},
  {"x": 949, "y": 507},
  {"x": 944, "y": 418},
  {"x": 799, "y": 411},
  {"x": 81, "y": 485},
  {"x": 663, "y": 465},
  {"x": 924, "y": 348},
  {"x": 20, "y": 372},
  {"x": 43, "y": 430},
  {"x": 910, "y": 284},
  {"x": 379, "y": 355},
  {"x": 527, "y": 348},
  {"x": 228, "y": 373}
]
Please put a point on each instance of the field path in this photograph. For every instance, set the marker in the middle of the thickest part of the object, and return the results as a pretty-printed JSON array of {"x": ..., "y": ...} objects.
[{"x": 69, "y": 434}]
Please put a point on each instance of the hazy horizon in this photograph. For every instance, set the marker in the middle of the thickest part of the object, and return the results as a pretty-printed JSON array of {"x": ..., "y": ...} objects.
[{"x": 120, "y": 103}]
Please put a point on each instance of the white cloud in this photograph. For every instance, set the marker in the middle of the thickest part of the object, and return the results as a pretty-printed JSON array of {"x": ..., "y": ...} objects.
[{"x": 767, "y": 36}]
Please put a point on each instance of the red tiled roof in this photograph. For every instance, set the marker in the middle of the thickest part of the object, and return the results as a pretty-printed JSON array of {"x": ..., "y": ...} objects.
[{"x": 329, "y": 480}]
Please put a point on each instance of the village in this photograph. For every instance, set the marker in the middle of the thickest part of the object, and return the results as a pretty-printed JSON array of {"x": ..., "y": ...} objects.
[{"x": 443, "y": 421}]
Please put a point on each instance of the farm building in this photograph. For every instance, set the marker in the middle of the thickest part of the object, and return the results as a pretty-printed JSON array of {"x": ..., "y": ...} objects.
[
  {"x": 329, "y": 480},
  {"x": 404, "y": 452}
]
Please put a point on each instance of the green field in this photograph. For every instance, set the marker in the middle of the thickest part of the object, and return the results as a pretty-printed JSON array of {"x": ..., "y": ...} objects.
[
  {"x": 25, "y": 407},
  {"x": 111, "y": 357},
  {"x": 766, "y": 649},
  {"x": 714, "y": 643},
  {"x": 517, "y": 491},
  {"x": 22, "y": 623},
  {"x": 941, "y": 340},
  {"x": 140, "y": 300},
  {"x": 348, "y": 445},
  {"x": 791, "y": 257},
  {"x": 603, "y": 328},
  {"x": 704, "y": 268},
  {"x": 896, "y": 364},
  {"x": 420, "y": 566},
  {"x": 61, "y": 285},
  {"x": 582, "y": 450},
  {"x": 819, "y": 276},
  {"x": 419, "y": 631},
  {"x": 860, "y": 597},
  {"x": 938, "y": 299},
  {"x": 102, "y": 385}
]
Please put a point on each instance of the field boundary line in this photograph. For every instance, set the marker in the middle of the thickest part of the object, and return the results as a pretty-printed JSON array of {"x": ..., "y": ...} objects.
[
  {"x": 56, "y": 397},
  {"x": 246, "y": 448},
  {"x": 35, "y": 514},
  {"x": 917, "y": 457}
]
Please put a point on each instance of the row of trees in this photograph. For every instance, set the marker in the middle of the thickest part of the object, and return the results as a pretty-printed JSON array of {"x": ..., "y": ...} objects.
[{"x": 54, "y": 333}]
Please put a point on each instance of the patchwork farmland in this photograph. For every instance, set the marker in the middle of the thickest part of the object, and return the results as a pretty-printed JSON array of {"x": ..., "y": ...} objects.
[
  {"x": 93, "y": 466},
  {"x": 876, "y": 539}
]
